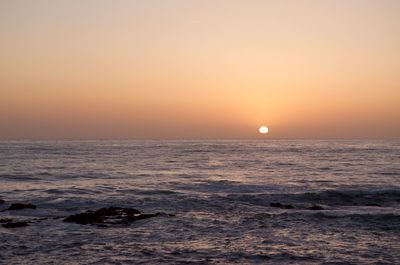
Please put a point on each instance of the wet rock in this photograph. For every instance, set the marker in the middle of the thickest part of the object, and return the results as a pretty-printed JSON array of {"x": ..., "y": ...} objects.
[
  {"x": 315, "y": 208},
  {"x": 112, "y": 211},
  {"x": 2, "y": 201},
  {"x": 15, "y": 224},
  {"x": 84, "y": 218},
  {"x": 20, "y": 206},
  {"x": 5, "y": 220},
  {"x": 41, "y": 219},
  {"x": 280, "y": 205},
  {"x": 373, "y": 204},
  {"x": 109, "y": 216}
]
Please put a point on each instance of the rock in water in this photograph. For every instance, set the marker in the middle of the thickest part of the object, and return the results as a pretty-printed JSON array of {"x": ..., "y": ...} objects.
[
  {"x": 280, "y": 205},
  {"x": 84, "y": 218},
  {"x": 109, "y": 216},
  {"x": 20, "y": 206},
  {"x": 373, "y": 204},
  {"x": 112, "y": 211},
  {"x": 315, "y": 208},
  {"x": 15, "y": 224}
]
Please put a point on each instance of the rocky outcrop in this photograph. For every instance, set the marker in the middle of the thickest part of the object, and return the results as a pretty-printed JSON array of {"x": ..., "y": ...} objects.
[
  {"x": 5, "y": 220},
  {"x": 280, "y": 205},
  {"x": 109, "y": 216},
  {"x": 102, "y": 217},
  {"x": 373, "y": 204},
  {"x": 20, "y": 206},
  {"x": 315, "y": 208},
  {"x": 15, "y": 224}
]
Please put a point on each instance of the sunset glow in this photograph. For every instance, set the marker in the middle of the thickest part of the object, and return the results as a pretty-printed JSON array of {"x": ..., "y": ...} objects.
[{"x": 199, "y": 69}]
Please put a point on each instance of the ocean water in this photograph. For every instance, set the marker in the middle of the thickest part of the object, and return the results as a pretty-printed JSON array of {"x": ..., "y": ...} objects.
[{"x": 220, "y": 194}]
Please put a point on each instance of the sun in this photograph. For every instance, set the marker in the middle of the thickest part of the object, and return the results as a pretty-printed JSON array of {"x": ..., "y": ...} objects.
[{"x": 263, "y": 130}]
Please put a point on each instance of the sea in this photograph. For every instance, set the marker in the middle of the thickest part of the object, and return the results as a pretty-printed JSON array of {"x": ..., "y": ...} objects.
[{"x": 225, "y": 201}]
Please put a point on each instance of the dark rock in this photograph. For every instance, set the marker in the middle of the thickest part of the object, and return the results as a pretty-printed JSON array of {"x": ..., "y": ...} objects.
[
  {"x": 373, "y": 204},
  {"x": 15, "y": 224},
  {"x": 20, "y": 206},
  {"x": 280, "y": 205},
  {"x": 2, "y": 201},
  {"x": 113, "y": 211},
  {"x": 315, "y": 208},
  {"x": 84, "y": 218},
  {"x": 142, "y": 216},
  {"x": 41, "y": 219},
  {"x": 109, "y": 216},
  {"x": 5, "y": 220}
]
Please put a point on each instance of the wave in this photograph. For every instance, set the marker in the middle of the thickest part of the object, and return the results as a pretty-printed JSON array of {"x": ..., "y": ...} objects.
[
  {"x": 352, "y": 197},
  {"x": 44, "y": 176},
  {"x": 335, "y": 198},
  {"x": 18, "y": 177}
]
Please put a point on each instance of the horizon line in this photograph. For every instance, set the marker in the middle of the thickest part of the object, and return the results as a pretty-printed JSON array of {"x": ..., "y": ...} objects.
[{"x": 204, "y": 139}]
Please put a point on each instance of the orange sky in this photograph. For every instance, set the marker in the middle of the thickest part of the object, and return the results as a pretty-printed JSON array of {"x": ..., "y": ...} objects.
[{"x": 199, "y": 69}]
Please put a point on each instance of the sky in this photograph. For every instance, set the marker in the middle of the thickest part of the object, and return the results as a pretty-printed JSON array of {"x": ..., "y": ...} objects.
[{"x": 186, "y": 69}]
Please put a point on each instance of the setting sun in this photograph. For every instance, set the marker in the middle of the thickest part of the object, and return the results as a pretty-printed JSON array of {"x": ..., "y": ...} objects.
[{"x": 263, "y": 130}]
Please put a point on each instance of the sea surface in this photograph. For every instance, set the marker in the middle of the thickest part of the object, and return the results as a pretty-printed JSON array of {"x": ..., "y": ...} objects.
[{"x": 220, "y": 193}]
